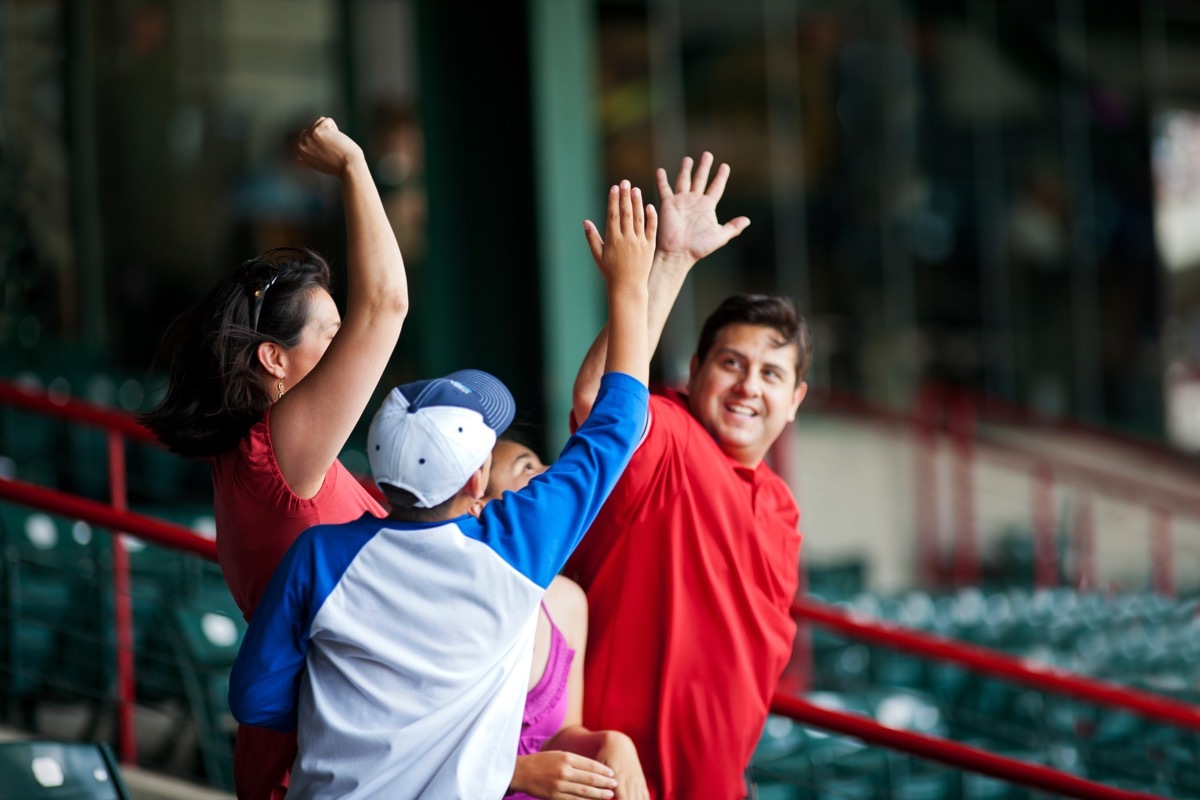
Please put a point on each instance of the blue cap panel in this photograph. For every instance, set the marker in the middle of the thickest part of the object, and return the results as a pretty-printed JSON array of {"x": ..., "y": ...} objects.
[{"x": 467, "y": 388}]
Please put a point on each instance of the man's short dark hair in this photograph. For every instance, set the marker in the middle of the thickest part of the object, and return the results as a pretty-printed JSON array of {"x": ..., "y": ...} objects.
[
  {"x": 769, "y": 311},
  {"x": 404, "y": 505}
]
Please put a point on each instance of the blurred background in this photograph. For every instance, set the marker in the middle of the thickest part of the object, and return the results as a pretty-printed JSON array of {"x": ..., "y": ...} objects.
[
  {"x": 988, "y": 209},
  {"x": 995, "y": 197}
]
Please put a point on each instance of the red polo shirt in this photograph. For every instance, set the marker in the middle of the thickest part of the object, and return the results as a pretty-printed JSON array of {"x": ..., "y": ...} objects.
[{"x": 690, "y": 570}]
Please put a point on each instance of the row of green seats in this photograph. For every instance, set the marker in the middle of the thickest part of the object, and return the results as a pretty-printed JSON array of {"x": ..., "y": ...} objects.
[
  {"x": 1122, "y": 637},
  {"x": 793, "y": 760},
  {"x": 74, "y": 457},
  {"x": 1139, "y": 639},
  {"x": 55, "y": 597},
  {"x": 59, "y": 639},
  {"x": 54, "y": 770}
]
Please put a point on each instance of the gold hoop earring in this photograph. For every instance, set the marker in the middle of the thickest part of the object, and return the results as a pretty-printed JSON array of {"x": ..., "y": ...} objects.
[{"x": 280, "y": 387}]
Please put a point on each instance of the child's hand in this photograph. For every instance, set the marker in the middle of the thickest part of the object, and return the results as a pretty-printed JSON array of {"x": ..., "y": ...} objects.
[
  {"x": 558, "y": 775},
  {"x": 627, "y": 249},
  {"x": 326, "y": 149},
  {"x": 620, "y": 754}
]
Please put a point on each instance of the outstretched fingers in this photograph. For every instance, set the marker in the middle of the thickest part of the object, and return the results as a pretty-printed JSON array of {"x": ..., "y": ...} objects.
[
  {"x": 626, "y": 207},
  {"x": 717, "y": 187},
  {"x": 702, "y": 168},
  {"x": 652, "y": 223},
  {"x": 683, "y": 183},
  {"x": 664, "y": 186},
  {"x": 735, "y": 226},
  {"x": 594, "y": 241},
  {"x": 613, "y": 223}
]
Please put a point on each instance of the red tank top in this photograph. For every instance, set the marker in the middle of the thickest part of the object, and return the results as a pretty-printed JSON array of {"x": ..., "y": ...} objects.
[{"x": 258, "y": 516}]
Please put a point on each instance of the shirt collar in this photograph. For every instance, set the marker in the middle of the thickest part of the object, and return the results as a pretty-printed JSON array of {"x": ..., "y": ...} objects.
[{"x": 748, "y": 474}]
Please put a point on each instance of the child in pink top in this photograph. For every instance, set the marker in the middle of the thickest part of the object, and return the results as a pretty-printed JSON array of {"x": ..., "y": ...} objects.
[
  {"x": 546, "y": 703},
  {"x": 557, "y": 756}
]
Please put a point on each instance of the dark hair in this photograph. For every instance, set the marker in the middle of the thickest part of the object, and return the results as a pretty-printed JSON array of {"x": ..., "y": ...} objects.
[
  {"x": 214, "y": 386},
  {"x": 766, "y": 310},
  {"x": 404, "y": 505}
]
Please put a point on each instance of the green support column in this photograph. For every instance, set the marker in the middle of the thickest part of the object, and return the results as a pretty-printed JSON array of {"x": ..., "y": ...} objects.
[
  {"x": 566, "y": 165},
  {"x": 475, "y": 299}
]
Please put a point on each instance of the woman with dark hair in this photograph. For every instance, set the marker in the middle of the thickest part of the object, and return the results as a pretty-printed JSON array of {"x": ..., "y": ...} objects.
[{"x": 268, "y": 381}]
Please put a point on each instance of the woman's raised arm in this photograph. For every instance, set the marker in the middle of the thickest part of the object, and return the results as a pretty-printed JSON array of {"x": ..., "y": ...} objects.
[{"x": 313, "y": 419}]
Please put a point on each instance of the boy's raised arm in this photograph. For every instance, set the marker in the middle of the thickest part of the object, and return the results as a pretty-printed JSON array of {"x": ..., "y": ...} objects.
[
  {"x": 624, "y": 257},
  {"x": 569, "y": 495}
]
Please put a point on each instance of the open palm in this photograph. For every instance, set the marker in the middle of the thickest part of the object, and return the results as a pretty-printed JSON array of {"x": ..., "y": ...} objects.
[{"x": 687, "y": 225}]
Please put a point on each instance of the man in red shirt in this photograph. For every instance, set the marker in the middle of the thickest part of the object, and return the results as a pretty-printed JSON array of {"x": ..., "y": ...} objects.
[{"x": 691, "y": 567}]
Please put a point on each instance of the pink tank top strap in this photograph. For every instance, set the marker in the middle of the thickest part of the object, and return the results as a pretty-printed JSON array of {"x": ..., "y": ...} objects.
[{"x": 546, "y": 703}]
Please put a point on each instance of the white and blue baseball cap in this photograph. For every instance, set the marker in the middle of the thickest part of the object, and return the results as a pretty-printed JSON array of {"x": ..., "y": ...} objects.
[{"x": 429, "y": 437}]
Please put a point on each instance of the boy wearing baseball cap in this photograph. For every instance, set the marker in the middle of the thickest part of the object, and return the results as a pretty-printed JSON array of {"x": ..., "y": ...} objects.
[{"x": 399, "y": 649}]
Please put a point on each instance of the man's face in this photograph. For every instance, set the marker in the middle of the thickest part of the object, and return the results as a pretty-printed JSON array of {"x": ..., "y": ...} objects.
[{"x": 745, "y": 391}]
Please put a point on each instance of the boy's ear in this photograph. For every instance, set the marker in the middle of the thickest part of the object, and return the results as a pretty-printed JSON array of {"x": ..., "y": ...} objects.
[{"x": 476, "y": 484}]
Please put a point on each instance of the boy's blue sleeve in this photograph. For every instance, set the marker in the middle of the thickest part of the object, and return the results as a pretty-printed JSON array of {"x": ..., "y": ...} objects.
[
  {"x": 536, "y": 529},
  {"x": 264, "y": 687}
]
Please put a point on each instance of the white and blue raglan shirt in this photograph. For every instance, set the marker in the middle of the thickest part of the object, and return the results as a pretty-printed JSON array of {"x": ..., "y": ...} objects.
[{"x": 400, "y": 652}]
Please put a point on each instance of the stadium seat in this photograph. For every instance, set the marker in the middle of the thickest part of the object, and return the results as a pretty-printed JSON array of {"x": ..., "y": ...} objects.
[
  {"x": 835, "y": 581},
  {"x": 188, "y": 655},
  {"x": 56, "y": 609},
  {"x": 32, "y": 770},
  {"x": 31, "y": 441}
]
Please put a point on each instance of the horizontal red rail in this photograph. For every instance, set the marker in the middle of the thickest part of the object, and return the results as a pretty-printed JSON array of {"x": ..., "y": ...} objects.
[
  {"x": 1020, "y": 457},
  {"x": 981, "y": 659},
  {"x": 992, "y": 409},
  {"x": 954, "y": 754},
  {"x": 72, "y": 409},
  {"x": 1141, "y": 492},
  {"x": 105, "y": 516}
]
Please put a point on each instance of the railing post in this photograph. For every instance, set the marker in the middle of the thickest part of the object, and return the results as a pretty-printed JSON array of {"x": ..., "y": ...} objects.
[
  {"x": 1045, "y": 545},
  {"x": 797, "y": 676},
  {"x": 122, "y": 604},
  {"x": 966, "y": 545},
  {"x": 1162, "y": 564},
  {"x": 1085, "y": 545},
  {"x": 925, "y": 490}
]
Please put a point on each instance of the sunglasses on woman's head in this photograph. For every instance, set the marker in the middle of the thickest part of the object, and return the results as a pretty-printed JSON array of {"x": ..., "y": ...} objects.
[{"x": 261, "y": 277}]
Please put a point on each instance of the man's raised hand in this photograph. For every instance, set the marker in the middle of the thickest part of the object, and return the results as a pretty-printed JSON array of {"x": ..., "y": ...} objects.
[{"x": 689, "y": 230}]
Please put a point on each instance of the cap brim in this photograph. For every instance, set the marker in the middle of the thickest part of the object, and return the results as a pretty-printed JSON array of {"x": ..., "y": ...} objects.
[{"x": 499, "y": 408}]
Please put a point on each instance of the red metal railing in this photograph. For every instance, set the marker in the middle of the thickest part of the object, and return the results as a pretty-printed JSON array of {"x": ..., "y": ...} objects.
[
  {"x": 992, "y": 662},
  {"x": 961, "y": 756},
  {"x": 986, "y": 661},
  {"x": 65, "y": 504},
  {"x": 948, "y": 420},
  {"x": 115, "y": 516}
]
